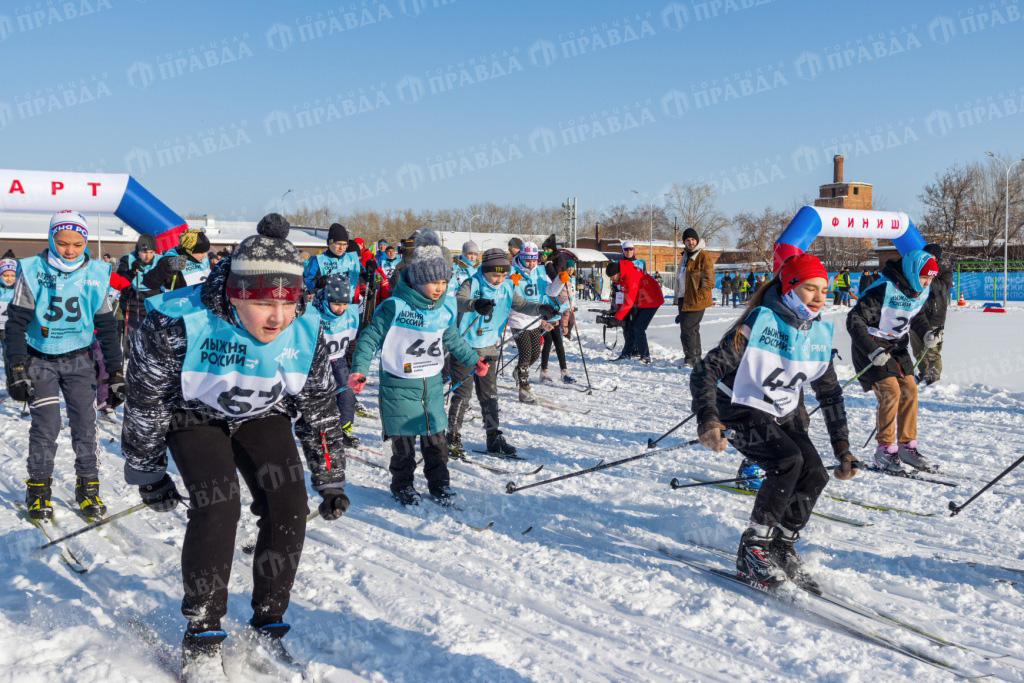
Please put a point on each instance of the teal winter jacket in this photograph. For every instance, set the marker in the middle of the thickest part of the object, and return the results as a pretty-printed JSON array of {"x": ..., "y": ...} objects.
[{"x": 409, "y": 406}]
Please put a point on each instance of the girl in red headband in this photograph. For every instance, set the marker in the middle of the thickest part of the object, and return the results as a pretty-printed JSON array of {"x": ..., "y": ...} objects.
[{"x": 752, "y": 384}]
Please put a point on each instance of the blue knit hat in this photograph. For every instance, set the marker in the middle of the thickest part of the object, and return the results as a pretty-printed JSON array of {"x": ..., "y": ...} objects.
[{"x": 336, "y": 290}]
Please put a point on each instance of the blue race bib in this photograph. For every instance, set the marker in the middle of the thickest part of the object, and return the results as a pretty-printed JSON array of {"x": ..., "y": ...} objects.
[{"x": 66, "y": 304}]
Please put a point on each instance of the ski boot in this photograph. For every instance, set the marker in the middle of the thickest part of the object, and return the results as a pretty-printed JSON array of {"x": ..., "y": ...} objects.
[
  {"x": 200, "y": 654},
  {"x": 909, "y": 454},
  {"x": 887, "y": 457},
  {"x": 646, "y": 360},
  {"x": 497, "y": 445},
  {"x": 442, "y": 495},
  {"x": 37, "y": 498},
  {"x": 748, "y": 468},
  {"x": 267, "y": 653},
  {"x": 407, "y": 495},
  {"x": 621, "y": 356},
  {"x": 526, "y": 396},
  {"x": 784, "y": 552},
  {"x": 456, "y": 451},
  {"x": 348, "y": 439},
  {"x": 87, "y": 495},
  {"x": 361, "y": 410},
  {"x": 545, "y": 378},
  {"x": 567, "y": 378},
  {"x": 754, "y": 560}
]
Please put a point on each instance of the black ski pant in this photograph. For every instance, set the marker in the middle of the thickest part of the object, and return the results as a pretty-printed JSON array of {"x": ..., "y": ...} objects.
[
  {"x": 794, "y": 473},
  {"x": 689, "y": 334},
  {"x": 209, "y": 460},
  {"x": 346, "y": 399},
  {"x": 403, "y": 460},
  {"x": 486, "y": 392},
  {"x": 553, "y": 338},
  {"x": 628, "y": 334},
  {"x": 636, "y": 332},
  {"x": 528, "y": 345}
]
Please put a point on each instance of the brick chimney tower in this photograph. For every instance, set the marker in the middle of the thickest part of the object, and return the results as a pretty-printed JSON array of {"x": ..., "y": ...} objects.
[{"x": 840, "y": 194}]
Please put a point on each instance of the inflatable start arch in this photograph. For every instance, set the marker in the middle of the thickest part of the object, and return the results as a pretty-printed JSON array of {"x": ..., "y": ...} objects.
[
  {"x": 815, "y": 221},
  {"x": 117, "y": 193}
]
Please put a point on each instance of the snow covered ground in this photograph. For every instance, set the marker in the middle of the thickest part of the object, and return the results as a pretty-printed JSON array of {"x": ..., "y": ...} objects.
[{"x": 387, "y": 594}]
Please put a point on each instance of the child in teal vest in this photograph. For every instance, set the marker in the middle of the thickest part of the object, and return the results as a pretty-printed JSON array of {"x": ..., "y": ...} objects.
[
  {"x": 221, "y": 375},
  {"x": 412, "y": 330},
  {"x": 60, "y": 299}
]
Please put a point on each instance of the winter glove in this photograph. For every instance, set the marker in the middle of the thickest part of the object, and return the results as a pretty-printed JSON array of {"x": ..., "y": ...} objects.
[
  {"x": 320, "y": 282},
  {"x": 879, "y": 357},
  {"x": 563, "y": 277},
  {"x": 483, "y": 306},
  {"x": 162, "y": 496},
  {"x": 356, "y": 382},
  {"x": 115, "y": 388},
  {"x": 547, "y": 311},
  {"x": 932, "y": 338},
  {"x": 19, "y": 386},
  {"x": 371, "y": 265},
  {"x": 848, "y": 464},
  {"x": 710, "y": 435},
  {"x": 481, "y": 367},
  {"x": 678, "y": 318},
  {"x": 334, "y": 504},
  {"x": 176, "y": 264}
]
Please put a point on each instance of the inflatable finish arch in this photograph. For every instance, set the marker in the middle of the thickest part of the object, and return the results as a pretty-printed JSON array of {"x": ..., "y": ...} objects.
[
  {"x": 116, "y": 193},
  {"x": 815, "y": 221}
]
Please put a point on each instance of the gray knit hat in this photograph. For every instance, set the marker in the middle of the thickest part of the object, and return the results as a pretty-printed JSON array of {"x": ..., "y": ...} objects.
[
  {"x": 470, "y": 247},
  {"x": 428, "y": 261},
  {"x": 266, "y": 265},
  {"x": 495, "y": 261}
]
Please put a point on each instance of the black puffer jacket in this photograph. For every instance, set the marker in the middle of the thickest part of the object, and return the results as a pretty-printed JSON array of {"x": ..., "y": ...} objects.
[
  {"x": 938, "y": 297},
  {"x": 155, "y": 404},
  {"x": 710, "y": 403},
  {"x": 868, "y": 313}
]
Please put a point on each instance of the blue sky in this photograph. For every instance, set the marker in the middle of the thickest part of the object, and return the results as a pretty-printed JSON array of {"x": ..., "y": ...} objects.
[{"x": 221, "y": 107}]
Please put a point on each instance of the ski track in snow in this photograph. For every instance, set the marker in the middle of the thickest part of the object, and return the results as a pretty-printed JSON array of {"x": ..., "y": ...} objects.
[{"x": 388, "y": 594}]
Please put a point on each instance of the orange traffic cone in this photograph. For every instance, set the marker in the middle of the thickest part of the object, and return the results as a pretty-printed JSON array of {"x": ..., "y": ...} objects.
[{"x": 960, "y": 301}]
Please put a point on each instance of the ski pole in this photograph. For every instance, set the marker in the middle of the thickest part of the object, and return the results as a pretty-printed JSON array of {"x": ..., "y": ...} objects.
[
  {"x": 470, "y": 326},
  {"x": 651, "y": 443},
  {"x": 843, "y": 387},
  {"x": 955, "y": 509},
  {"x": 676, "y": 485},
  {"x": 508, "y": 362},
  {"x": 576, "y": 326},
  {"x": 94, "y": 525},
  {"x": 463, "y": 381},
  {"x": 512, "y": 488}
]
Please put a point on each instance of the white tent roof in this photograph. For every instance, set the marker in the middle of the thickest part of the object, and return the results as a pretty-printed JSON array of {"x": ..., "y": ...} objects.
[{"x": 584, "y": 255}]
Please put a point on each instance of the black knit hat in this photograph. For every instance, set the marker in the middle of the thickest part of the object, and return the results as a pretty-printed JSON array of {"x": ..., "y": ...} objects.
[
  {"x": 690, "y": 232},
  {"x": 337, "y": 232},
  {"x": 935, "y": 249},
  {"x": 145, "y": 243},
  {"x": 612, "y": 269},
  {"x": 266, "y": 265},
  {"x": 515, "y": 243}
]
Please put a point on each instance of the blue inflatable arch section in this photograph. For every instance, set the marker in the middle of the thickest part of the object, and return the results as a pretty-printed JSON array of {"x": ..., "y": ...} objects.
[{"x": 819, "y": 221}]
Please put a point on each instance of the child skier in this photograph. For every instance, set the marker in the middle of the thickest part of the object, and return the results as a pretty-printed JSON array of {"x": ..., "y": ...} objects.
[
  {"x": 8, "y": 274},
  {"x": 535, "y": 287},
  {"x": 752, "y": 383},
  {"x": 412, "y": 330},
  {"x": 340, "y": 321},
  {"x": 879, "y": 326},
  {"x": 133, "y": 266},
  {"x": 60, "y": 298},
  {"x": 484, "y": 303},
  {"x": 218, "y": 373}
]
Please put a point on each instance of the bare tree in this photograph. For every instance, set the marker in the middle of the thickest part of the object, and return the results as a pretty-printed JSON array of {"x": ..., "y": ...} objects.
[
  {"x": 694, "y": 205},
  {"x": 758, "y": 232},
  {"x": 950, "y": 208}
]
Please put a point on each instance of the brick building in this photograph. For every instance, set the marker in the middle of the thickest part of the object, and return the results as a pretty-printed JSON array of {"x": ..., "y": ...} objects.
[{"x": 843, "y": 195}]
